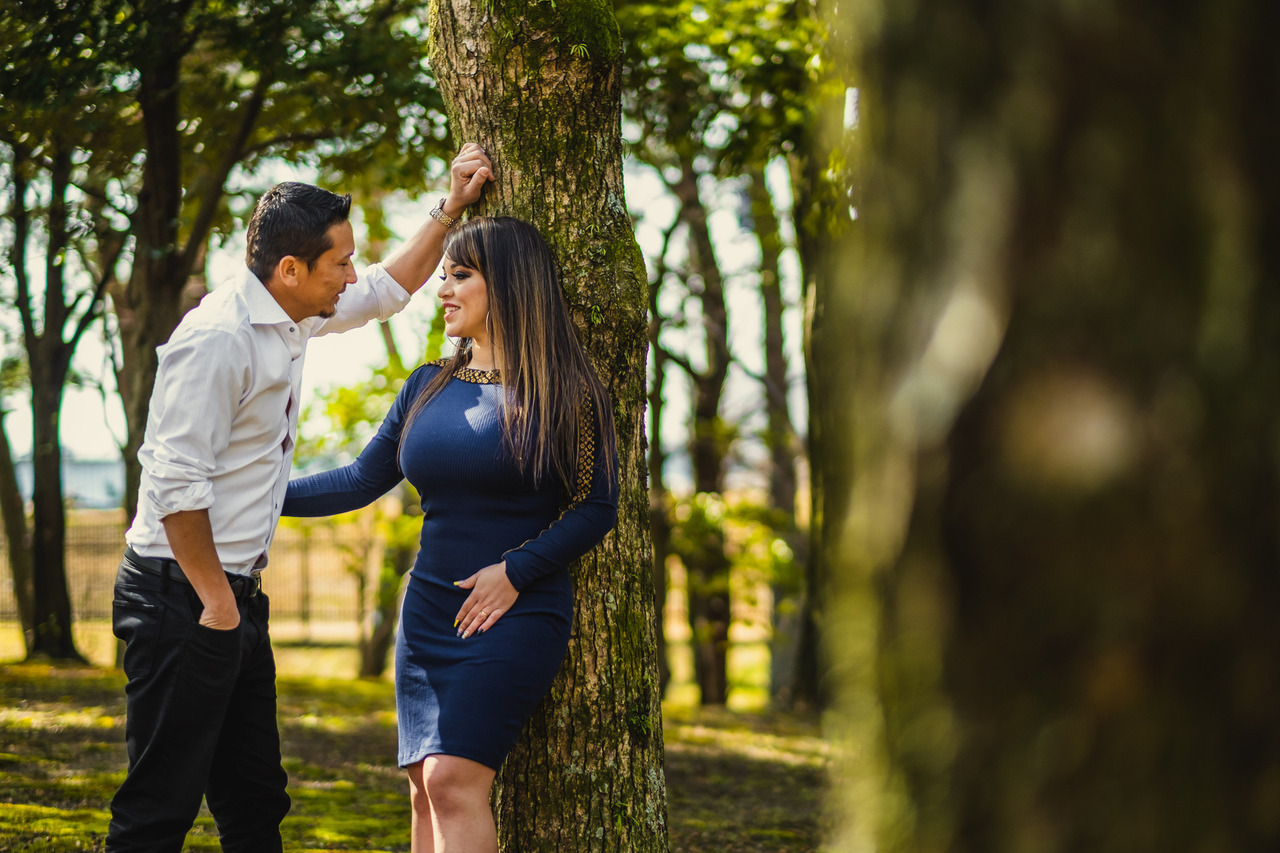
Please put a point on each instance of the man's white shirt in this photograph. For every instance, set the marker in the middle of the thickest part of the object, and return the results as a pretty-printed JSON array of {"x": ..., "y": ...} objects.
[{"x": 218, "y": 436}]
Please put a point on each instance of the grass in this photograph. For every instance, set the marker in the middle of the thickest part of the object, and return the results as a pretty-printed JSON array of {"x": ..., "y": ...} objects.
[{"x": 736, "y": 781}]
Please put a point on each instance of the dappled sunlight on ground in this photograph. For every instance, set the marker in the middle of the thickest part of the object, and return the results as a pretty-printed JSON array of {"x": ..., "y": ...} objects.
[{"x": 736, "y": 782}]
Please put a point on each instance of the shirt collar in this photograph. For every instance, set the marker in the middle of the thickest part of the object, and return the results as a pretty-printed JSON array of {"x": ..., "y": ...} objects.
[{"x": 263, "y": 308}]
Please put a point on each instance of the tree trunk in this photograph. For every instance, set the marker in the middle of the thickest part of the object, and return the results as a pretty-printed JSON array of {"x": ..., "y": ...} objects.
[
  {"x": 49, "y": 359},
  {"x": 538, "y": 85},
  {"x": 17, "y": 534},
  {"x": 659, "y": 497},
  {"x": 1074, "y": 604},
  {"x": 660, "y": 522},
  {"x": 154, "y": 299},
  {"x": 707, "y": 564},
  {"x": 399, "y": 550},
  {"x": 52, "y": 612},
  {"x": 17, "y": 539},
  {"x": 820, "y": 225},
  {"x": 788, "y": 588}
]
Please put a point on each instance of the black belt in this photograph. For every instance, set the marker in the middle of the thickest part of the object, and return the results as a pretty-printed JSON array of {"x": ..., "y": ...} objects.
[{"x": 243, "y": 586}]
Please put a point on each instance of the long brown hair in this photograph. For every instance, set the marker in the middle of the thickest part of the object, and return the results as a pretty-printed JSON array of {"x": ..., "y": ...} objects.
[{"x": 544, "y": 368}]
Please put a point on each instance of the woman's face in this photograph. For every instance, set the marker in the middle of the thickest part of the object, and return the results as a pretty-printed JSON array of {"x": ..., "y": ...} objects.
[{"x": 466, "y": 302}]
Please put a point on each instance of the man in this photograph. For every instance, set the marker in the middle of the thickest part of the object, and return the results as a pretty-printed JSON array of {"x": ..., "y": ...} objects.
[{"x": 215, "y": 459}]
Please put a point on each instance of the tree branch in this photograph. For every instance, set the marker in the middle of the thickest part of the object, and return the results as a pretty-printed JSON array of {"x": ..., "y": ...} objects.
[
  {"x": 288, "y": 139},
  {"x": 213, "y": 197},
  {"x": 777, "y": 395},
  {"x": 18, "y": 251},
  {"x": 97, "y": 304},
  {"x": 680, "y": 361}
]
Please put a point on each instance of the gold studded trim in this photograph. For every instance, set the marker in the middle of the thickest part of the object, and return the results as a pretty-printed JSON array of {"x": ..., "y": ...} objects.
[
  {"x": 476, "y": 377},
  {"x": 586, "y": 448}
]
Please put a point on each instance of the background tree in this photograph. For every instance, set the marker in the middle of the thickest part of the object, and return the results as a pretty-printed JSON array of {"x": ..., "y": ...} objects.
[
  {"x": 331, "y": 84},
  {"x": 660, "y": 499},
  {"x": 17, "y": 531},
  {"x": 124, "y": 128},
  {"x": 1058, "y": 521},
  {"x": 539, "y": 86},
  {"x": 49, "y": 131},
  {"x": 714, "y": 98}
]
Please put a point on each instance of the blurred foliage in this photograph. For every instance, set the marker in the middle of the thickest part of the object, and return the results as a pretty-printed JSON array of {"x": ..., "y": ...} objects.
[
  {"x": 341, "y": 87},
  {"x": 1052, "y": 477},
  {"x": 715, "y": 93},
  {"x": 724, "y": 78},
  {"x": 749, "y": 533},
  {"x": 155, "y": 123}
]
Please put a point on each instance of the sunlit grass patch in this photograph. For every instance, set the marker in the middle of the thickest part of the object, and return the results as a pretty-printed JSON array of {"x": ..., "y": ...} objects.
[
  {"x": 348, "y": 815},
  {"x": 50, "y": 828},
  {"x": 736, "y": 782},
  {"x": 743, "y": 782}
]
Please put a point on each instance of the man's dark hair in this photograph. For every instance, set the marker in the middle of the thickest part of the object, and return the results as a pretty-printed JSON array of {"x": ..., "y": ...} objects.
[{"x": 293, "y": 219}]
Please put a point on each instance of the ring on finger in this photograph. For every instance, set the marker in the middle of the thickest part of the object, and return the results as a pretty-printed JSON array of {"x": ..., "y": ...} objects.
[{"x": 484, "y": 612}]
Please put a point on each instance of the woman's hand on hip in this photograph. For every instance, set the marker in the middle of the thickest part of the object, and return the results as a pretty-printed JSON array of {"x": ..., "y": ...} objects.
[{"x": 491, "y": 597}]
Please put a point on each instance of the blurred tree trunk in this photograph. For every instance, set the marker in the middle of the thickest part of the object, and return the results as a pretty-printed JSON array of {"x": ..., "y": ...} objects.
[
  {"x": 398, "y": 527},
  {"x": 399, "y": 530},
  {"x": 707, "y": 563},
  {"x": 780, "y": 439},
  {"x": 659, "y": 496},
  {"x": 819, "y": 226},
  {"x": 1056, "y": 526},
  {"x": 538, "y": 85},
  {"x": 17, "y": 539},
  {"x": 49, "y": 347},
  {"x": 149, "y": 305}
]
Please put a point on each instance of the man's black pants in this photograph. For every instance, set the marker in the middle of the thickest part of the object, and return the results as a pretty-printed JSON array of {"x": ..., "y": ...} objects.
[{"x": 201, "y": 718}]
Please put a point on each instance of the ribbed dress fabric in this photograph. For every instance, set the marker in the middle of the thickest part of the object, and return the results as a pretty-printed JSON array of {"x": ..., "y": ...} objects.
[{"x": 470, "y": 697}]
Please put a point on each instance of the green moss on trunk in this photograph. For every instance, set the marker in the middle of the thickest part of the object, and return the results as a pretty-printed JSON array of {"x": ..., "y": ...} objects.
[{"x": 538, "y": 85}]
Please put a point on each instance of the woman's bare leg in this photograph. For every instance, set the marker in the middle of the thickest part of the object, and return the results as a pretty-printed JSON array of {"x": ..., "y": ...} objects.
[
  {"x": 421, "y": 834},
  {"x": 457, "y": 795}
]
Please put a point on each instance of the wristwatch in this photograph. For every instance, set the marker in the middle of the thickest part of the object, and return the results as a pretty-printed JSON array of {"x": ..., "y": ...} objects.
[{"x": 438, "y": 214}]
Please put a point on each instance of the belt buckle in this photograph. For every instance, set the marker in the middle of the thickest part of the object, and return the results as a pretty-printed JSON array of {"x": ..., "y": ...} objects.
[{"x": 255, "y": 582}]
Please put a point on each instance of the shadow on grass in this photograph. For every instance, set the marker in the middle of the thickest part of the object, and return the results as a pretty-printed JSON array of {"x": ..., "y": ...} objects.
[{"x": 735, "y": 783}]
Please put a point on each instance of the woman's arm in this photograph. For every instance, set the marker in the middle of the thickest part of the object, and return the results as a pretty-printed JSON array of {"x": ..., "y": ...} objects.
[
  {"x": 592, "y": 513},
  {"x": 374, "y": 473}
]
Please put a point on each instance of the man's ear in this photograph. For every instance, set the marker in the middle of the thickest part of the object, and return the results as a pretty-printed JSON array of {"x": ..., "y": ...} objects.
[{"x": 287, "y": 270}]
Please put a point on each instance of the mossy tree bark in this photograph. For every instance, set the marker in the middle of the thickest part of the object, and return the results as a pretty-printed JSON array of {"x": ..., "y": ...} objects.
[
  {"x": 538, "y": 85},
  {"x": 1059, "y": 561}
]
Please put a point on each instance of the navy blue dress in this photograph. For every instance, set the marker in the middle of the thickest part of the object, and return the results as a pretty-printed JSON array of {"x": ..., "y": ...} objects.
[{"x": 471, "y": 697}]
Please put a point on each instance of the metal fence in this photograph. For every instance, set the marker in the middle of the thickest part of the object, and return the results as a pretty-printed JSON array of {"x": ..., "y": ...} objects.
[{"x": 310, "y": 576}]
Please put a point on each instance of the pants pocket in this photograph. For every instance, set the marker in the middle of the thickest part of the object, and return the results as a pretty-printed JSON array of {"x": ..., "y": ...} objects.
[
  {"x": 138, "y": 623},
  {"x": 212, "y": 658}
]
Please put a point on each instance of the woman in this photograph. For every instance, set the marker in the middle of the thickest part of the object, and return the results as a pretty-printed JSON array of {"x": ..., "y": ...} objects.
[{"x": 511, "y": 445}]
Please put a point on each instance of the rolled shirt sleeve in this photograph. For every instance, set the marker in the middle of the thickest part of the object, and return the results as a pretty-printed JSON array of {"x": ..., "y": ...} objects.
[
  {"x": 224, "y": 410},
  {"x": 201, "y": 380}
]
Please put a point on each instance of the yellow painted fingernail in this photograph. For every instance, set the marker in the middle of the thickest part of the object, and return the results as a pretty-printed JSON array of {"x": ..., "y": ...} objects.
[
  {"x": 455, "y": 623},
  {"x": 457, "y": 583}
]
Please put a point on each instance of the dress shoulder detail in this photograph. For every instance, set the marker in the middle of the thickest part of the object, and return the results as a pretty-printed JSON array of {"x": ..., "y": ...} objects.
[{"x": 467, "y": 374}]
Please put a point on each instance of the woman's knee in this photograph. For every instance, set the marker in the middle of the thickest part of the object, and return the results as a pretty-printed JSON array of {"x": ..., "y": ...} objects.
[
  {"x": 418, "y": 798},
  {"x": 455, "y": 784}
]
